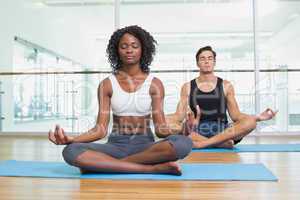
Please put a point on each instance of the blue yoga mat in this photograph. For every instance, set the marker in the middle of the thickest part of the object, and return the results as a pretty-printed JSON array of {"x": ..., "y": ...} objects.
[
  {"x": 211, "y": 172},
  {"x": 255, "y": 148}
]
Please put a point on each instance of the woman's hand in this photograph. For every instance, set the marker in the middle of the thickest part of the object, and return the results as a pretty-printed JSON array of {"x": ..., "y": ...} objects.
[{"x": 59, "y": 137}]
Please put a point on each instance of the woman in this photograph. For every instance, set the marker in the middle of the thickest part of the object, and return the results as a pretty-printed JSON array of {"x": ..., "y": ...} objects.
[{"x": 133, "y": 94}]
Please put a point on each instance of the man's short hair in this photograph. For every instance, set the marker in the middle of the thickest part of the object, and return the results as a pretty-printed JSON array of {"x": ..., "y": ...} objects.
[{"x": 206, "y": 48}]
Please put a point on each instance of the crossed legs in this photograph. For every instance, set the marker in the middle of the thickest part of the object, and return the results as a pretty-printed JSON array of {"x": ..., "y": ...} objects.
[
  {"x": 158, "y": 158},
  {"x": 198, "y": 139},
  {"x": 238, "y": 130}
]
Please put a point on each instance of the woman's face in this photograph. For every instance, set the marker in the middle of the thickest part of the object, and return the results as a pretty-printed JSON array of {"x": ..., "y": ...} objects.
[{"x": 129, "y": 49}]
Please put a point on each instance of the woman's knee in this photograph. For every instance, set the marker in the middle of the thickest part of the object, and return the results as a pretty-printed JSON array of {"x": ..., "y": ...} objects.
[
  {"x": 182, "y": 145},
  {"x": 72, "y": 151}
]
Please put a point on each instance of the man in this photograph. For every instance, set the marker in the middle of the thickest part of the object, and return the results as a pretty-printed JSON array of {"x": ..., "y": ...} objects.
[{"x": 215, "y": 97}]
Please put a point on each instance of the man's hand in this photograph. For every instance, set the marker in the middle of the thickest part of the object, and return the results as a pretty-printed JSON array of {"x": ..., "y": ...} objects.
[
  {"x": 191, "y": 123},
  {"x": 266, "y": 115}
]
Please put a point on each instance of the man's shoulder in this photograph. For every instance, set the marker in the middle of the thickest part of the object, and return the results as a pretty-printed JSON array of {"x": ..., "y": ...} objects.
[
  {"x": 185, "y": 89},
  {"x": 228, "y": 87},
  {"x": 227, "y": 83}
]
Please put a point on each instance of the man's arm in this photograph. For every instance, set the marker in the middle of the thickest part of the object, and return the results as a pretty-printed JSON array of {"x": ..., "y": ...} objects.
[
  {"x": 232, "y": 105},
  {"x": 233, "y": 108}
]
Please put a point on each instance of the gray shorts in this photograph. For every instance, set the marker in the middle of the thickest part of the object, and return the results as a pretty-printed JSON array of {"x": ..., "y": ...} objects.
[
  {"x": 120, "y": 146},
  {"x": 211, "y": 128}
]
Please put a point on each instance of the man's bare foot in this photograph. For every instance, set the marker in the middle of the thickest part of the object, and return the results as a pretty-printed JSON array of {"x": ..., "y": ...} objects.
[
  {"x": 84, "y": 171},
  {"x": 228, "y": 144},
  {"x": 168, "y": 168},
  {"x": 197, "y": 137}
]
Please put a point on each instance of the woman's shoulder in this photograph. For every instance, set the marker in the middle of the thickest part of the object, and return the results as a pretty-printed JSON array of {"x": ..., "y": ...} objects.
[
  {"x": 105, "y": 84},
  {"x": 155, "y": 80},
  {"x": 107, "y": 80}
]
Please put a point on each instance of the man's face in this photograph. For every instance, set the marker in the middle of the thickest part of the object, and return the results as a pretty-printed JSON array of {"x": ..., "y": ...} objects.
[{"x": 206, "y": 62}]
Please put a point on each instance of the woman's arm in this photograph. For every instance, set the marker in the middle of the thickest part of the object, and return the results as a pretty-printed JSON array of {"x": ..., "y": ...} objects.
[
  {"x": 100, "y": 129},
  {"x": 175, "y": 120},
  {"x": 170, "y": 124},
  {"x": 157, "y": 94}
]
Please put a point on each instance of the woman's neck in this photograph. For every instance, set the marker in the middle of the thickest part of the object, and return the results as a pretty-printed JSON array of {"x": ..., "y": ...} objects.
[{"x": 132, "y": 70}]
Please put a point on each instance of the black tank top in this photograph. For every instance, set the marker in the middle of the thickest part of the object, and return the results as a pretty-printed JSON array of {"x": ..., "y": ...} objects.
[{"x": 212, "y": 104}]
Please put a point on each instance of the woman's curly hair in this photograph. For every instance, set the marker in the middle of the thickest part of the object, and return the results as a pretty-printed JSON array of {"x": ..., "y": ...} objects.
[{"x": 147, "y": 43}]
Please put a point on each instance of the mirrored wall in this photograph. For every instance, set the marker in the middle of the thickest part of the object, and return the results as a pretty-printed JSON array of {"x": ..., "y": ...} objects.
[{"x": 53, "y": 56}]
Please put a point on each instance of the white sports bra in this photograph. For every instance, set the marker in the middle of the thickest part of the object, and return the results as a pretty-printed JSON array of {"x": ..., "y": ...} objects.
[{"x": 136, "y": 103}]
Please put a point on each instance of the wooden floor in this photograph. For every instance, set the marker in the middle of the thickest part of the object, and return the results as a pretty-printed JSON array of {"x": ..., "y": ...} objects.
[{"x": 286, "y": 166}]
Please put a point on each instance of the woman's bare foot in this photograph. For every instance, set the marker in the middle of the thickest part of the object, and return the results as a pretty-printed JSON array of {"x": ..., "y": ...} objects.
[
  {"x": 168, "y": 168},
  {"x": 228, "y": 144},
  {"x": 163, "y": 168}
]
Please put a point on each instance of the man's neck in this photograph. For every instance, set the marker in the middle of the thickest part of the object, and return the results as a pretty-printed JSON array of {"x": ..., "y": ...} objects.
[{"x": 207, "y": 77}]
